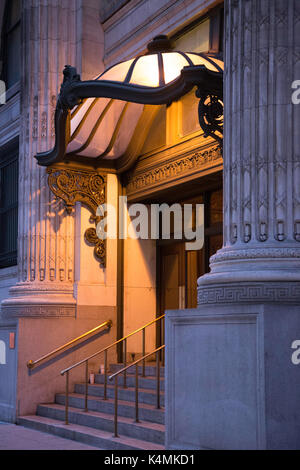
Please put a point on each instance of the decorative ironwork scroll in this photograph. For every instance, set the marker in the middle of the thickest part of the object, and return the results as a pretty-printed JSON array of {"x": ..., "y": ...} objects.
[
  {"x": 87, "y": 187},
  {"x": 210, "y": 111}
]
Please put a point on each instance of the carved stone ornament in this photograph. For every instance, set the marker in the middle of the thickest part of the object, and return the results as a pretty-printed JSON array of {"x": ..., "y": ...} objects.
[
  {"x": 87, "y": 187},
  {"x": 168, "y": 170},
  {"x": 249, "y": 292}
]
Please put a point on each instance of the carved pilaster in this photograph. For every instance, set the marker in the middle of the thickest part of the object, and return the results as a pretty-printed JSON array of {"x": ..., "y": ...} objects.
[{"x": 261, "y": 156}]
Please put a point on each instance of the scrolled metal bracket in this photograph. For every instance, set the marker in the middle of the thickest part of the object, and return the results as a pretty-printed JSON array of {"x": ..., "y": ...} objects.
[
  {"x": 87, "y": 187},
  {"x": 210, "y": 112}
]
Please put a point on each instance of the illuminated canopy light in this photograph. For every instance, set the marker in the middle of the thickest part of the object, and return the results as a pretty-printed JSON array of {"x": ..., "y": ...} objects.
[
  {"x": 158, "y": 69},
  {"x": 96, "y": 120}
]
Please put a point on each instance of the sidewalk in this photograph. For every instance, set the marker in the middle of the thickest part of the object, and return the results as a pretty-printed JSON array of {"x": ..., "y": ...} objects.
[{"x": 14, "y": 437}]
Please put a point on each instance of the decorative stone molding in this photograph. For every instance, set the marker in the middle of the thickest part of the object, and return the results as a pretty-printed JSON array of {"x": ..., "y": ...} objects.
[
  {"x": 249, "y": 293},
  {"x": 274, "y": 253},
  {"x": 123, "y": 40},
  {"x": 87, "y": 187},
  {"x": 44, "y": 311},
  {"x": 166, "y": 171}
]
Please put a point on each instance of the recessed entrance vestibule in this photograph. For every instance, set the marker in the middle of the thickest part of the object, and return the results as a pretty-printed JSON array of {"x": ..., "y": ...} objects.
[{"x": 164, "y": 274}]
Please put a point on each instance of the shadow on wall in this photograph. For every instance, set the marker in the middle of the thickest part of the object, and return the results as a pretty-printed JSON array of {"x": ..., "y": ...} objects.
[{"x": 63, "y": 354}]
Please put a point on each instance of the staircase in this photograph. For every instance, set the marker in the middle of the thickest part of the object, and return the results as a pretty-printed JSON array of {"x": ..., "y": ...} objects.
[{"x": 96, "y": 427}]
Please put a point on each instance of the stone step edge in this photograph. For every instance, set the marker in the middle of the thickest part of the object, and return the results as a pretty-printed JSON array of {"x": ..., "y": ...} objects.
[
  {"x": 110, "y": 417},
  {"x": 114, "y": 367},
  {"x": 156, "y": 415},
  {"x": 77, "y": 431},
  {"x": 130, "y": 404},
  {"x": 120, "y": 387},
  {"x": 148, "y": 377}
]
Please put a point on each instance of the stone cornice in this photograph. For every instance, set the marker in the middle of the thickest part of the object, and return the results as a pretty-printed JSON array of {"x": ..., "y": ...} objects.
[
  {"x": 166, "y": 172},
  {"x": 163, "y": 20}
]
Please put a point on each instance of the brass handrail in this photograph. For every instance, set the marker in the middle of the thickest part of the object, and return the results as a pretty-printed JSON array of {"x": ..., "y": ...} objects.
[
  {"x": 31, "y": 364},
  {"x": 111, "y": 345},
  {"x": 135, "y": 363},
  {"x": 86, "y": 360}
]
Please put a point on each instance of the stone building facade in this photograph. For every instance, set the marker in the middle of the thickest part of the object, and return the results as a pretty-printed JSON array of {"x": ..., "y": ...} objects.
[{"x": 230, "y": 380}]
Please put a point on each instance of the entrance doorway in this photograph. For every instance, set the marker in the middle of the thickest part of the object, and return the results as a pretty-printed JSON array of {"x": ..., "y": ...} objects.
[{"x": 178, "y": 269}]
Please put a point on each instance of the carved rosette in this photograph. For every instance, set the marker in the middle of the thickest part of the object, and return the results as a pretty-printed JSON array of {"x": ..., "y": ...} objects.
[{"x": 87, "y": 187}]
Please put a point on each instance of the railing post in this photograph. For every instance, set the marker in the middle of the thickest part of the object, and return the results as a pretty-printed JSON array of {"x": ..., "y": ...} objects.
[
  {"x": 136, "y": 393},
  {"x": 163, "y": 339},
  {"x": 144, "y": 348},
  {"x": 116, "y": 406},
  {"x": 125, "y": 362},
  {"x": 157, "y": 380},
  {"x": 86, "y": 386},
  {"x": 105, "y": 375},
  {"x": 67, "y": 399}
]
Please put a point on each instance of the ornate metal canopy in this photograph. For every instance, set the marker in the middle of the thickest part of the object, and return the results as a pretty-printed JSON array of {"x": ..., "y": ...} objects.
[{"x": 97, "y": 121}]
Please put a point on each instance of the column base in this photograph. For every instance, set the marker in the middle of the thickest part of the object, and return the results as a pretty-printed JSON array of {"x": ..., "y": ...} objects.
[
  {"x": 249, "y": 292},
  {"x": 39, "y": 300},
  {"x": 230, "y": 379},
  {"x": 268, "y": 274}
]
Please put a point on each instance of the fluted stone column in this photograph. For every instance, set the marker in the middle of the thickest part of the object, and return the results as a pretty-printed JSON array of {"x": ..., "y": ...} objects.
[
  {"x": 235, "y": 353},
  {"x": 46, "y": 231},
  {"x": 260, "y": 259}
]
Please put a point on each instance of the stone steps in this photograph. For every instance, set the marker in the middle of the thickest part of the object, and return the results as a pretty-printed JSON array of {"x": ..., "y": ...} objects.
[
  {"x": 150, "y": 369},
  {"x": 148, "y": 382},
  {"x": 96, "y": 427},
  {"x": 128, "y": 394},
  {"x": 125, "y": 408},
  {"x": 94, "y": 437}
]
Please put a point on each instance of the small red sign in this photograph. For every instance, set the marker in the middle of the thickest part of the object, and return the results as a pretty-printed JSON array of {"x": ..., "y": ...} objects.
[{"x": 12, "y": 340}]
